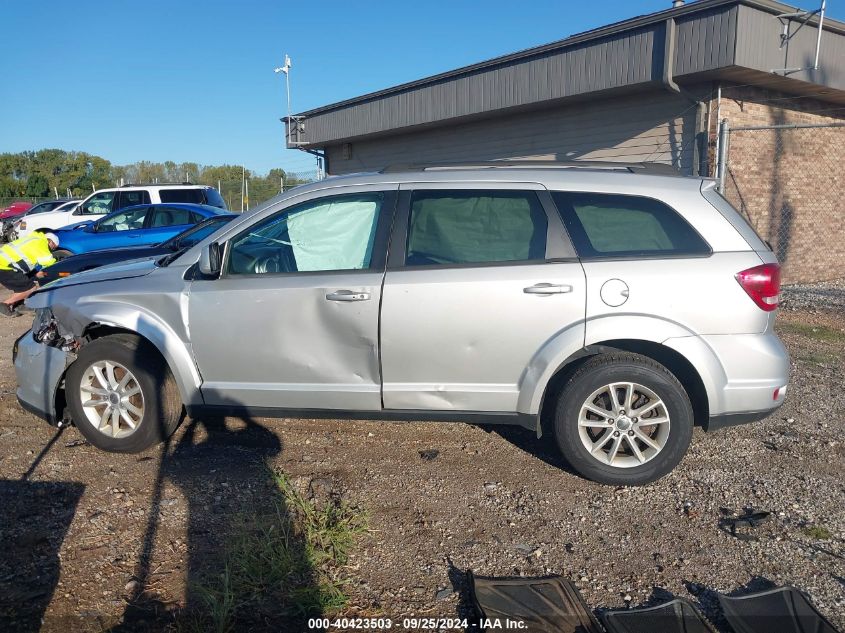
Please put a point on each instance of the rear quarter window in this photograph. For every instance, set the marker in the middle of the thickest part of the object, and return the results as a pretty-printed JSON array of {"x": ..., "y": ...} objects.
[
  {"x": 213, "y": 198},
  {"x": 612, "y": 225},
  {"x": 196, "y": 196}
]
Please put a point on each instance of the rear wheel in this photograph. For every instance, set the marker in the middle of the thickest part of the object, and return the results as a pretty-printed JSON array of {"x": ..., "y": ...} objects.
[
  {"x": 121, "y": 395},
  {"x": 623, "y": 419}
]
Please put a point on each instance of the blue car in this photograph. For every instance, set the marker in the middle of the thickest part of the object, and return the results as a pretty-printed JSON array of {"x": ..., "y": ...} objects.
[{"x": 132, "y": 226}]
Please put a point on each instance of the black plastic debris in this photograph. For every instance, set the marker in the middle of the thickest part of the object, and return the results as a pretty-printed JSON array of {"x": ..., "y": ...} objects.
[
  {"x": 780, "y": 610},
  {"x": 429, "y": 454},
  {"x": 675, "y": 616},
  {"x": 547, "y": 604},
  {"x": 737, "y": 525}
]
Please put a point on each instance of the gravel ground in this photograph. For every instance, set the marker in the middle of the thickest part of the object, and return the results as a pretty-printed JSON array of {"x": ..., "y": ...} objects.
[{"x": 85, "y": 526}]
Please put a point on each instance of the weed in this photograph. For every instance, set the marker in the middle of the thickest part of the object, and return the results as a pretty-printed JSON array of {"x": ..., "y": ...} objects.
[
  {"x": 818, "y": 532},
  {"x": 815, "y": 358},
  {"x": 816, "y": 332},
  {"x": 281, "y": 566}
]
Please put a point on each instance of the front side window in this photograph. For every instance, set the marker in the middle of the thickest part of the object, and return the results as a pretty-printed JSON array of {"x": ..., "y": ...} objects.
[
  {"x": 98, "y": 204},
  {"x": 123, "y": 221},
  {"x": 611, "y": 225},
  {"x": 456, "y": 227},
  {"x": 333, "y": 233}
]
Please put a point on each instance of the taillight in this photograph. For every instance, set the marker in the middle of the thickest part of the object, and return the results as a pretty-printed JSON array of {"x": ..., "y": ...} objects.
[{"x": 762, "y": 283}]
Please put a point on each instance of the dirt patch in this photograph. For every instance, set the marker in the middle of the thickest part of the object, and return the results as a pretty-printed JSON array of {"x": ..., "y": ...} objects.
[{"x": 92, "y": 538}]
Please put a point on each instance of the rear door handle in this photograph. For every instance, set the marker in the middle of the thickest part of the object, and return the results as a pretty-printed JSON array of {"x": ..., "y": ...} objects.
[
  {"x": 348, "y": 295},
  {"x": 547, "y": 289}
]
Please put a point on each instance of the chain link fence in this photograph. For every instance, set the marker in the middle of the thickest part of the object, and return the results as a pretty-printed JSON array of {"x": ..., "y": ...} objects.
[
  {"x": 789, "y": 181},
  {"x": 6, "y": 201}
]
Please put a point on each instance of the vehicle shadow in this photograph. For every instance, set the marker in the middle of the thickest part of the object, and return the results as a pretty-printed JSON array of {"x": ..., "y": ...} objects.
[
  {"x": 34, "y": 519},
  {"x": 221, "y": 466},
  {"x": 543, "y": 448}
]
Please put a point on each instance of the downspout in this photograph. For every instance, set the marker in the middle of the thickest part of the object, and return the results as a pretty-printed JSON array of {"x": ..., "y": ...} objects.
[{"x": 671, "y": 86}]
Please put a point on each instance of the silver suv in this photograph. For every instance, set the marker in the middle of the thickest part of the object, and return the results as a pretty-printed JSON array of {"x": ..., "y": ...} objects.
[{"x": 611, "y": 305}]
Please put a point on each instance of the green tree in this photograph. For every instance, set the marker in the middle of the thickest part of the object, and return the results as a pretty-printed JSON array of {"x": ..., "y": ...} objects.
[{"x": 37, "y": 186}]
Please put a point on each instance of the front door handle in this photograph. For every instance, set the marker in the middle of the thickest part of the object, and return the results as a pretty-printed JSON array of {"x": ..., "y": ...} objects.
[
  {"x": 547, "y": 289},
  {"x": 348, "y": 295}
]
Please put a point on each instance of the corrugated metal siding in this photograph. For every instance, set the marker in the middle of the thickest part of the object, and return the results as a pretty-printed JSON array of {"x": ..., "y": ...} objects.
[
  {"x": 758, "y": 48},
  {"x": 657, "y": 126},
  {"x": 616, "y": 62},
  {"x": 705, "y": 41}
]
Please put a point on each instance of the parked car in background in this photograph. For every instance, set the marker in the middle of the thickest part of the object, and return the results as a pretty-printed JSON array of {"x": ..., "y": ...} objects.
[
  {"x": 12, "y": 230},
  {"x": 16, "y": 208},
  {"x": 87, "y": 261},
  {"x": 133, "y": 226},
  {"x": 9, "y": 218},
  {"x": 607, "y": 305},
  {"x": 105, "y": 201}
]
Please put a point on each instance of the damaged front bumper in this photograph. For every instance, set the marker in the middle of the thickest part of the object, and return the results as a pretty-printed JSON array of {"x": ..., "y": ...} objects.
[{"x": 40, "y": 370}]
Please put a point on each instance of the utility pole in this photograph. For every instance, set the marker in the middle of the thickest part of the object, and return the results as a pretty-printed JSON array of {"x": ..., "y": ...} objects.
[
  {"x": 285, "y": 68},
  {"x": 243, "y": 184}
]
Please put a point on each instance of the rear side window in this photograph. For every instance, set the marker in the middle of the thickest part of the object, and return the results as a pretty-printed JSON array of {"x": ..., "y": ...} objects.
[
  {"x": 456, "y": 227},
  {"x": 195, "y": 196},
  {"x": 173, "y": 216},
  {"x": 131, "y": 199},
  {"x": 610, "y": 225}
]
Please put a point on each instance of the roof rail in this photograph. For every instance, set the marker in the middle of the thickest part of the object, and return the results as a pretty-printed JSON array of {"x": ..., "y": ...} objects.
[
  {"x": 155, "y": 184},
  {"x": 634, "y": 168}
]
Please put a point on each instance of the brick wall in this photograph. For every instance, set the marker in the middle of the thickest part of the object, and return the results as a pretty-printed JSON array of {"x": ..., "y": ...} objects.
[{"x": 790, "y": 183}]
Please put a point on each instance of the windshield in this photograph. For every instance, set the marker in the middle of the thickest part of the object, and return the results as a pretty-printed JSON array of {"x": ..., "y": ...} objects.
[
  {"x": 197, "y": 233},
  {"x": 194, "y": 235}
]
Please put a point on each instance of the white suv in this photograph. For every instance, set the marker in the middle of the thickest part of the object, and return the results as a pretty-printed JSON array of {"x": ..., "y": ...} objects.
[{"x": 105, "y": 201}]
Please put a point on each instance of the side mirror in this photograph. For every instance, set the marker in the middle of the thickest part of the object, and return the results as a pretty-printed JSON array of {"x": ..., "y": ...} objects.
[{"x": 210, "y": 259}]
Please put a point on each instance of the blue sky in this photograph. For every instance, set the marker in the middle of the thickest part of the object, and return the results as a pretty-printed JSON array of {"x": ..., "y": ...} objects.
[{"x": 170, "y": 80}]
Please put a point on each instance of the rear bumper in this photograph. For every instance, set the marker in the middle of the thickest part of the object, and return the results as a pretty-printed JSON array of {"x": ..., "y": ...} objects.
[
  {"x": 724, "y": 420},
  {"x": 39, "y": 370},
  {"x": 744, "y": 375}
]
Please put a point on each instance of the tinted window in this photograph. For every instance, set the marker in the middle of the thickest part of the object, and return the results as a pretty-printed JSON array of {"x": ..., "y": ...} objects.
[
  {"x": 194, "y": 196},
  {"x": 128, "y": 220},
  {"x": 333, "y": 233},
  {"x": 172, "y": 216},
  {"x": 454, "y": 227},
  {"x": 98, "y": 204},
  {"x": 607, "y": 225},
  {"x": 131, "y": 199},
  {"x": 45, "y": 207}
]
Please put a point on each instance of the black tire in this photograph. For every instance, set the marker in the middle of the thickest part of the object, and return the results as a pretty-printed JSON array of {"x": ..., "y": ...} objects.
[
  {"x": 162, "y": 402},
  {"x": 61, "y": 253},
  {"x": 605, "y": 369}
]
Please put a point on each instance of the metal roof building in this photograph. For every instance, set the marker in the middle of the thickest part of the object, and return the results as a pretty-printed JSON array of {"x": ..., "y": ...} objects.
[{"x": 648, "y": 88}]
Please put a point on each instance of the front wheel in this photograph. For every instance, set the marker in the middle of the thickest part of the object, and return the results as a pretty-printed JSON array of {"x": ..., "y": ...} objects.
[
  {"x": 121, "y": 395},
  {"x": 623, "y": 419}
]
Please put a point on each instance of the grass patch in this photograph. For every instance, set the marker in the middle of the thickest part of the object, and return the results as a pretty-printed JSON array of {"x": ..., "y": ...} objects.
[
  {"x": 818, "y": 532},
  {"x": 281, "y": 567},
  {"x": 816, "y": 332},
  {"x": 816, "y": 358}
]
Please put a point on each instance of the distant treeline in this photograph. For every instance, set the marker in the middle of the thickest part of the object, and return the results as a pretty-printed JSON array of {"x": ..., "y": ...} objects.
[{"x": 44, "y": 172}]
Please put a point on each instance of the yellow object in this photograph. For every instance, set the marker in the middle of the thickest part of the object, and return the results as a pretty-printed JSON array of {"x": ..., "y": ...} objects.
[{"x": 26, "y": 253}]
